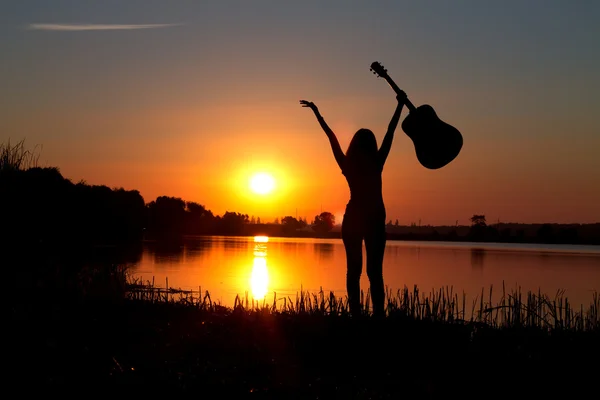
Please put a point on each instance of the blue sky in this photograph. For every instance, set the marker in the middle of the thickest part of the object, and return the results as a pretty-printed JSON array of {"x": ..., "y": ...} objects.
[{"x": 136, "y": 107}]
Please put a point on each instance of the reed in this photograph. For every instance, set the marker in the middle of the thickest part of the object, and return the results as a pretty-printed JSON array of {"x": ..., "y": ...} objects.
[
  {"x": 16, "y": 157},
  {"x": 515, "y": 309}
]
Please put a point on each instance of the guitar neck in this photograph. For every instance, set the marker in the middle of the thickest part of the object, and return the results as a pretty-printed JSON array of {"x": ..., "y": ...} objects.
[{"x": 411, "y": 106}]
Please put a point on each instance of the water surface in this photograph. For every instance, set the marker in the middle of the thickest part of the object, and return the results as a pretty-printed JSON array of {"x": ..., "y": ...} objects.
[{"x": 228, "y": 266}]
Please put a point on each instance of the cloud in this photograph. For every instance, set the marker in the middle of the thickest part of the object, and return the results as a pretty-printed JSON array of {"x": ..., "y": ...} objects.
[{"x": 95, "y": 27}]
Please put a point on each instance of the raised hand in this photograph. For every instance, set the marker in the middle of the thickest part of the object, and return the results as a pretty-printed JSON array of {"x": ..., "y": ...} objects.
[
  {"x": 401, "y": 97},
  {"x": 309, "y": 104}
]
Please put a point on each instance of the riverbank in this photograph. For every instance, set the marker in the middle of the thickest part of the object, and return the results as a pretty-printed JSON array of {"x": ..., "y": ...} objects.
[
  {"x": 143, "y": 346},
  {"x": 85, "y": 329}
]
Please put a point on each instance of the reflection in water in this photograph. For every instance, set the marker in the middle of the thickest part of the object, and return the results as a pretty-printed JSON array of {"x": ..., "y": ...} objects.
[
  {"x": 259, "y": 278},
  {"x": 131, "y": 254},
  {"x": 231, "y": 266},
  {"x": 324, "y": 250},
  {"x": 477, "y": 256},
  {"x": 198, "y": 247},
  {"x": 173, "y": 258},
  {"x": 166, "y": 252}
]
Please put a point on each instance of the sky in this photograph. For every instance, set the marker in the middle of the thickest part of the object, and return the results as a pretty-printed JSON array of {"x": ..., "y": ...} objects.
[{"x": 191, "y": 98}]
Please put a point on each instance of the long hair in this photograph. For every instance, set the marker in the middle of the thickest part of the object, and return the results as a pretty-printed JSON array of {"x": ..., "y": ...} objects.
[{"x": 362, "y": 150}]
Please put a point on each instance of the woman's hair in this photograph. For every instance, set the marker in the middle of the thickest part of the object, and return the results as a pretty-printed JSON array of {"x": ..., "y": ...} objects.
[{"x": 362, "y": 148}]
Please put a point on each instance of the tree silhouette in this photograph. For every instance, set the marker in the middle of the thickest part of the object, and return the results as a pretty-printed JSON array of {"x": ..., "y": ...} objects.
[
  {"x": 166, "y": 215},
  {"x": 478, "y": 220},
  {"x": 478, "y": 228},
  {"x": 45, "y": 208},
  {"x": 232, "y": 222},
  {"x": 324, "y": 222},
  {"x": 290, "y": 224},
  {"x": 198, "y": 218},
  {"x": 545, "y": 233}
]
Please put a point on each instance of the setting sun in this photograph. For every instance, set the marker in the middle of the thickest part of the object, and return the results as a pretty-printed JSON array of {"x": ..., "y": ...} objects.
[{"x": 262, "y": 183}]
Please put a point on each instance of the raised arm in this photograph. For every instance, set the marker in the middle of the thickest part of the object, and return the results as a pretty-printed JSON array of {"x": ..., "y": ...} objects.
[
  {"x": 386, "y": 145},
  {"x": 335, "y": 145}
]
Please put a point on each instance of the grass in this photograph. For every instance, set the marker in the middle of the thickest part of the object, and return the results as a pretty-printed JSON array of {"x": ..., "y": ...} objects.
[
  {"x": 514, "y": 310},
  {"x": 79, "y": 329},
  {"x": 17, "y": 157},
  {"x": 117, "y": 334}
]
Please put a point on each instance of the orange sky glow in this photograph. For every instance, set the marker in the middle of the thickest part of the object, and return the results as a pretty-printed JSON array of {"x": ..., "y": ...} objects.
[{"x": 194, "y": 108}]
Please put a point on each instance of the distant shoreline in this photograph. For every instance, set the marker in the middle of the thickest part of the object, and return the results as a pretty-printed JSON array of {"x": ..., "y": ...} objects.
[
  {"x": 477, "y": 244},
  {"x": 47, "y": 208},
  {"x": 527, "y": 234}
]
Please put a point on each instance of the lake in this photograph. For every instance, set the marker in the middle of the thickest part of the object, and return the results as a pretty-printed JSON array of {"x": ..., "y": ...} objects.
[{"x": 259, "y": 266}]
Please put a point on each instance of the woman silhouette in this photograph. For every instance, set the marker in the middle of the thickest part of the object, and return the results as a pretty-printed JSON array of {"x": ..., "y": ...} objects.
[{"x": 364, "y": 219}]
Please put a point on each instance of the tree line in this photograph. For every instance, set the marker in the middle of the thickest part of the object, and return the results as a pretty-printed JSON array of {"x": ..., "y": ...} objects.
[
  {"x": 480, "y": 231},
  {"x": 40, "y": 205}
]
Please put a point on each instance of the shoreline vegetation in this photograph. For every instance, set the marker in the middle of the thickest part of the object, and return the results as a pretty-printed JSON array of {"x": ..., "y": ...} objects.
[
  {"x": 106, "y": 331},
  {"x": 514, "y": 309},
  {"x": 77, "y": 322},
  {"x": 48, "y": 208}
]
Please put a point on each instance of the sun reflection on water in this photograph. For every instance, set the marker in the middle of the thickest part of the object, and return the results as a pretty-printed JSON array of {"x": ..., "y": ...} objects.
[
  {"x": 259, "y": 278},
  {"x": 261, "y": 239}
]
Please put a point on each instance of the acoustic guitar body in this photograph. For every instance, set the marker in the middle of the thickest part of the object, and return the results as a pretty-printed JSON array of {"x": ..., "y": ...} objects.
[{"x": 436, "y": 142}]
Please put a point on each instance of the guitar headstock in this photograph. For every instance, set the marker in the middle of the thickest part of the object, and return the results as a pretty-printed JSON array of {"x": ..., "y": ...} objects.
[{"x": 378, "y": 69}]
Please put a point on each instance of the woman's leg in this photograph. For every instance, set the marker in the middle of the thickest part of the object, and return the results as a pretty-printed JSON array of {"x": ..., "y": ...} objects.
[
  {"x": 352, "y": 239},
  {"x": 375, "y": 240}
]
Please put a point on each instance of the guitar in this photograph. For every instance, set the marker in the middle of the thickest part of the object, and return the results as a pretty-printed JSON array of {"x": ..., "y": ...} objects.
[{"x": 436, "y": 142}]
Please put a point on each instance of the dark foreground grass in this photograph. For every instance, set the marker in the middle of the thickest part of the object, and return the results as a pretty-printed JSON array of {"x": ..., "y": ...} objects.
[
  {"x": 514, "y": 309},
  {"x": 142, "y": 348},
  {"x": 151, "y": 343}
]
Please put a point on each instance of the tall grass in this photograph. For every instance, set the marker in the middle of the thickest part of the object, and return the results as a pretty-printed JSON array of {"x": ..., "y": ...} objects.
[
  {"x": 108, "y": 282},
  {"x": 17, "y": 157},
  {"x": 514, "y": 310}
]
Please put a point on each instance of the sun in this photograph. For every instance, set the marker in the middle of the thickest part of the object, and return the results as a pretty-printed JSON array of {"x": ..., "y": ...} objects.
[{"x": 262, "y": 183}]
